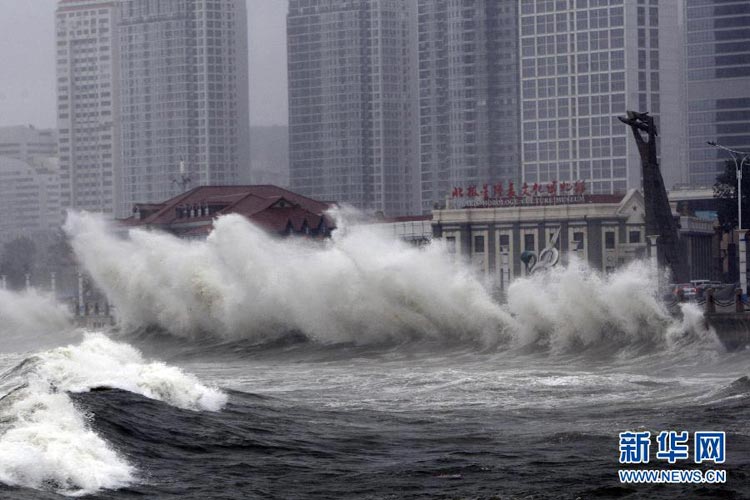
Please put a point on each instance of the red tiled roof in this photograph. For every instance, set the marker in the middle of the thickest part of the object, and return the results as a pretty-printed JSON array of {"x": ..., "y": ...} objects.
[{"x": 271, "y": 207}]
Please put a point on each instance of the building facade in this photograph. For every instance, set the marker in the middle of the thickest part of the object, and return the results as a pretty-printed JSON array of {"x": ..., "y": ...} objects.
[
  {"x": 718, "y": 50},
  {"x": 582, "y": 63},
  {"x": 184, "y": 101},
  {"x": 26, "y": 142},
  {"x": 468, "y": 99},
  {"x": 87, "y": 98},
  {"x": 353, "y": 134},
  {"x": 605, "y": 230}
]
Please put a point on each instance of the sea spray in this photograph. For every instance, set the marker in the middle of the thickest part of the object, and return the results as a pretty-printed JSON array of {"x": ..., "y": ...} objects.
[
  {"x": 363, "y": 287},
  {"x": 573, "y": 306},
  {"x": 30, "y": 313},
  {"x": 358, "y": 287},
  {"x": 46, "y": 442}
]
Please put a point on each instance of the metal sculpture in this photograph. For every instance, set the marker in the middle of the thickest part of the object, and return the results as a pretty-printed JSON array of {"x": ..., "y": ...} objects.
[
  {"x": 548, "y": 258},
  {"x": 659, "y": 219}
]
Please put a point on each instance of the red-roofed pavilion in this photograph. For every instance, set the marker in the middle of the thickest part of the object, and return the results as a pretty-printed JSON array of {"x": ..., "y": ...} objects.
[{"x": 277, "y": 210}]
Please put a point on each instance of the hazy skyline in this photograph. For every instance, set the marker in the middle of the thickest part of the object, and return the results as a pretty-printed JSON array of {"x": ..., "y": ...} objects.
[{"x": 27, "y": 84}]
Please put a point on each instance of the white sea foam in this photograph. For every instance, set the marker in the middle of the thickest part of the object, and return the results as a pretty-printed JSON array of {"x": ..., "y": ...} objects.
[
  {"x": 101, "y": 362},
  {"x": 363, "y": 287},
  {"x": 46, "y": 443}
]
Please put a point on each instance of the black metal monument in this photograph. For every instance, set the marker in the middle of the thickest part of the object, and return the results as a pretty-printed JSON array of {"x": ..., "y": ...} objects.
[{"x": 659, "y": 219}]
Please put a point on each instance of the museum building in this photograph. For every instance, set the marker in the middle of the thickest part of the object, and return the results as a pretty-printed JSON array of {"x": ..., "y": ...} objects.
[{"x": 606, "y": 230}]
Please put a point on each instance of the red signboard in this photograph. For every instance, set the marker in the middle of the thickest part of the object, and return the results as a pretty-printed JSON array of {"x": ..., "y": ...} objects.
[{"x": 508, "y": 195}]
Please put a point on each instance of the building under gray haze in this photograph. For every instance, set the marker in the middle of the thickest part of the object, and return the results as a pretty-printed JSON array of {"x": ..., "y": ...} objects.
[
  {"x": 87, "y": 93},
  {"x": 583, "y": 62},
  {"x": 29, "y": 197},
  {"x": 468, "y": 79},
  {"x": 718, "y": 49},
  {"x": 25, "y": 142},
  {"x": 29, "y": 182},
  {"x": 184, "y": 83},
  {"x": 353, "y": 129}
]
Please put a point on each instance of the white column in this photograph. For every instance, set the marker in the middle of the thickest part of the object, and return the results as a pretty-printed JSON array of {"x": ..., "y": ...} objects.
[
  {"x": 53, "y": 282},
  {"x": 28, "y": 281},
  {"x": 3, "y": 282},
  {"x": 504, "y": 269}
]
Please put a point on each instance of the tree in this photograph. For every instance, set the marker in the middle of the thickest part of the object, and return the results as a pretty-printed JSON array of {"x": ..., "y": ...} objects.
[
  {"x": 18, "y": 258},
  {"x": 725, "y": 190}
]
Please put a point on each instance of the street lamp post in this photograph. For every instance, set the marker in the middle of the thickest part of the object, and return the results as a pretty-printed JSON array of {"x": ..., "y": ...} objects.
[{"x": 738, "y": 163}]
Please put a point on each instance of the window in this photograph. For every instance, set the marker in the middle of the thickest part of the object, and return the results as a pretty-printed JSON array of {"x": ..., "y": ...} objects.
[
  {"x": 634, "y": 236},
  {"x": 478, "y": 244},
  {"x": 609, "y": 240},
  {"x": 528, "y": 242},
  {"x": 504, "y": 242},
  {"x": 578, "y": 240}
]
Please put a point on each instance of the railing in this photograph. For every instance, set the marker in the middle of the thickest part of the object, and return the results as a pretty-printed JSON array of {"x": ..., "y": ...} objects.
[{"x": 713, "y": 305}]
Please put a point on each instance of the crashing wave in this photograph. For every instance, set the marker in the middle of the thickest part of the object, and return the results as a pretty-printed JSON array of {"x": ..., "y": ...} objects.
[
  {"x": 47, "y": 443},
  {"x": 240, "y": 283},
  {"x": 361, "y": 287},
  {"x": 572, "y": 307}
]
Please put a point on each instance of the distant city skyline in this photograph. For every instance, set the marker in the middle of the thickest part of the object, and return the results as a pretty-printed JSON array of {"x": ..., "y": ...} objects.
[{"x": 27, "y": 89}]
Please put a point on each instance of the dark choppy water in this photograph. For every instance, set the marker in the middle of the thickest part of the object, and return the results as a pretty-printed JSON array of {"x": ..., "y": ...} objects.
[
  {"x": 404, "y": 378},
  {"x": 410, "y": 421}
]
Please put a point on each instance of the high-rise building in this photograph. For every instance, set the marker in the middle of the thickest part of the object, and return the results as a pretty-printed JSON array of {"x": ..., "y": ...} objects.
[
  {"x": 29, "y": 196},
  {"x": 583, "y": 62},
  {"x": 184, "y": 102},
  {"x": 353, "y": 129},
  {"x": 25, "y": 142},
  {"x": 468, "y": 78},
  {"x": 87, "y": 93},
  {"x": 718, "y": 49}
]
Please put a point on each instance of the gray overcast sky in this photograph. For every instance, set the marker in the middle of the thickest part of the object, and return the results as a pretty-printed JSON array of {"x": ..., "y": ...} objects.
[{"x": 27, "y": 62}]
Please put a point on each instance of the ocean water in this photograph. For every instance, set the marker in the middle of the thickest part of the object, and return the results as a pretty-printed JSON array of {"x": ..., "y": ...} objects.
[{"x": 245, "y": 367}]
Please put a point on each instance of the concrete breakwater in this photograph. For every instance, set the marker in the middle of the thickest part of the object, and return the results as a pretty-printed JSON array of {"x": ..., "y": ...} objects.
[{"x": 727, "y": 312}]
